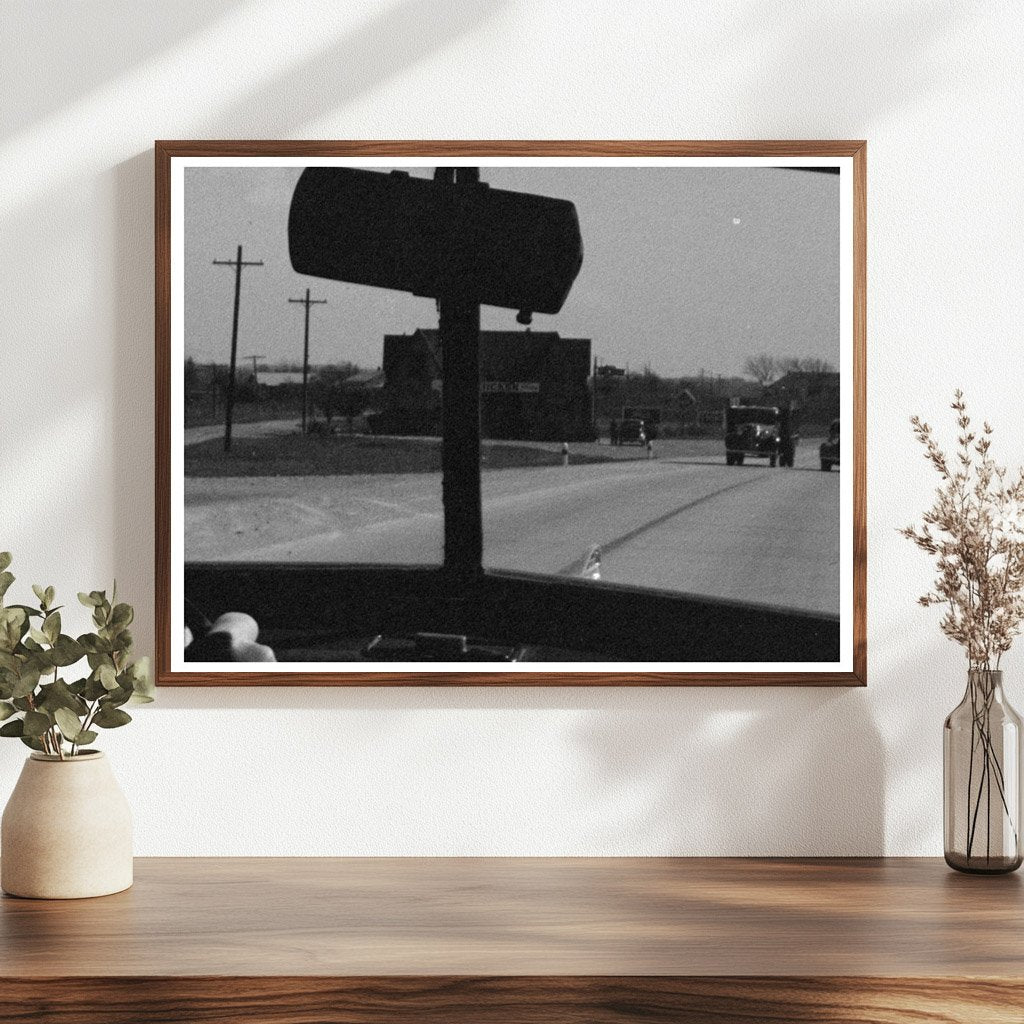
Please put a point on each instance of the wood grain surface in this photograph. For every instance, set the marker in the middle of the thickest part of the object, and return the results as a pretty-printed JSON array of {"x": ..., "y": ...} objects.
[
  {"x": 506, "y": 916},
  {"x": 495, "y": 939},
  {"x": 518, "y": 1000}
]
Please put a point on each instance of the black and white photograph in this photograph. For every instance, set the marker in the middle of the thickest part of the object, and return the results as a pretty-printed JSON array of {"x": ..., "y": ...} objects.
[{"x": 510, "y": 414}]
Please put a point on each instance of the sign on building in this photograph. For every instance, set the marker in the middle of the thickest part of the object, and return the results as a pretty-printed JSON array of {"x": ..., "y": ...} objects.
[{"x": 509, "y": 387}]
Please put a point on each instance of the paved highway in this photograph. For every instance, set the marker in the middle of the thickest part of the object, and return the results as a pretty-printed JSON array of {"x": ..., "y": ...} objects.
[{"x": 682, "y": 521}]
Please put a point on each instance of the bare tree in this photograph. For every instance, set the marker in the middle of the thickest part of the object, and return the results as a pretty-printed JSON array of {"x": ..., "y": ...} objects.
[
  {"x": 762, "y": 368},
  {"x": 333, "y": 395},
  {"x": 816, "y": 366},
  {"x": 810, "y": 364}
]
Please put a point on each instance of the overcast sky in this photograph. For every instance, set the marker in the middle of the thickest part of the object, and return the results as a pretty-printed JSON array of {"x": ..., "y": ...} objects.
[{"x": 684, "y": 269}]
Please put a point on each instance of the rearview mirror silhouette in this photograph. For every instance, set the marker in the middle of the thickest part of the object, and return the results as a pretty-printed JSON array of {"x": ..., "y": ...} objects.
[{"x": 435, "y": 238}]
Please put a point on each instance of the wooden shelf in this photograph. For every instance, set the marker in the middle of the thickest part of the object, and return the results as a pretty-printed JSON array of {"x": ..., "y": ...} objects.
[{"x": 503, "y": 940}]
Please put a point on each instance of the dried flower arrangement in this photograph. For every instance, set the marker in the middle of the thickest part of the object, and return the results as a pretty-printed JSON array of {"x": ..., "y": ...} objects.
[{"x": 975, "y": 530}]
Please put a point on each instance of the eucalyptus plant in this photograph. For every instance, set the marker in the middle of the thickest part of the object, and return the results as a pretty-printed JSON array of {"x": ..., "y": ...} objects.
[{"x": 37, "y": 704}]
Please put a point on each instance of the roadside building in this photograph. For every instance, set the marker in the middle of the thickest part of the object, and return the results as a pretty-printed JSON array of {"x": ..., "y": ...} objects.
[
  {"x": 534, "y": 385},
  {"x": 815, "y": 394}
]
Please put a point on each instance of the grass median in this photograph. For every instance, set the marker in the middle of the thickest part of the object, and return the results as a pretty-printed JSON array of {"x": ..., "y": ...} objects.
[{"x": 347, "y": 455}]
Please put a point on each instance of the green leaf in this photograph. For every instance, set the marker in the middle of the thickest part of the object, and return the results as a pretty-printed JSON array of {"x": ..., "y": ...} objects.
[
  {"x": 67, "y": 651},
  {"x": 115, "y": 698},
  {"x": 50, "y": 595},
  {"x": 6, "y": 710},
  {"x": 122, "y": 616},
  {"x": 94, "y": 689},
  {"x": 98, "y": 649},
  {"x": 5, "y": 559},
  {"x": 108, "y": 718},
  {"x": 89, "y": 600},
  {"x": 59, "y": 695},
  {"x": 31, "y": 741},
  {"x": 86, "y": 736},
  {"x": 40, "y": 592},
  {"x": 13, "y": 625},
  {"x": 9, "y": 662},
  {"x": 32, "y": 613},
  {"x": 36, "y": 660},
  {"x": 6, "y": 579},
  {"x": 14, "y": 728},
  {"x": 36, "y": 723},
  {"x": 27, "y": 682},
  {"x": 107, "y": 676},
  {"x": 38, "y": 635},
  {"x": 69, "y": 724},
  {"x": 51, "y": 626}
]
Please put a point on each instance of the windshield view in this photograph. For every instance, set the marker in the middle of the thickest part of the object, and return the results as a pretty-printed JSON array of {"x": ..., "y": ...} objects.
[{"x": 666, "y": 430}]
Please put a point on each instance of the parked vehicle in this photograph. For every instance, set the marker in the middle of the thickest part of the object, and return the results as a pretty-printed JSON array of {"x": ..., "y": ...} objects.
[
  {"x": 650, "y": 414},
  {"x": 632, "y": 432},
  {"x": 829, "y": 450}
]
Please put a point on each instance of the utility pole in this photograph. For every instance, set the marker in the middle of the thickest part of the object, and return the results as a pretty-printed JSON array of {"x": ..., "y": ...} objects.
[
  {"x": 307, "y": 302},
  {"x": 255, "y": 382},
  {"x": 237, "y": 263}
]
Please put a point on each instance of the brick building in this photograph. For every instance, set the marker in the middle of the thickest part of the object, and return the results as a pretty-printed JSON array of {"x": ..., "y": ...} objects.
[{"x": 534, "y": 385}]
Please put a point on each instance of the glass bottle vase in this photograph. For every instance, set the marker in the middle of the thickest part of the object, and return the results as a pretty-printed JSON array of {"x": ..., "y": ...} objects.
[{"x": 981, "y": 771}]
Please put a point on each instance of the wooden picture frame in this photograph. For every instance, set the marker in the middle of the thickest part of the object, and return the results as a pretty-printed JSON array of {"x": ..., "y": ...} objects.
[{"x": 586, "y": 631}]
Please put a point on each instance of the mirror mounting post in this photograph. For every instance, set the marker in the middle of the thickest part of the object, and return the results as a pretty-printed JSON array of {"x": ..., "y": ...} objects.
[{"x": 459, "y": 329}]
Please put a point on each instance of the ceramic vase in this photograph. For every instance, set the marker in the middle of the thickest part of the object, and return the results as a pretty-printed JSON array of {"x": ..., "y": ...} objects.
[{"x": 66, "y": 831}]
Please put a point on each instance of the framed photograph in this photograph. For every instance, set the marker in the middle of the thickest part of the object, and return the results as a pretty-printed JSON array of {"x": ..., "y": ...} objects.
[{"x": 492, "y": 413}]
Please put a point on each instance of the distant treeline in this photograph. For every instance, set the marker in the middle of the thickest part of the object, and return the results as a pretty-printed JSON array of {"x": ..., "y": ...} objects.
[
  {"x": 694, "y": 406},
  {"x": 330, "y": 392}
]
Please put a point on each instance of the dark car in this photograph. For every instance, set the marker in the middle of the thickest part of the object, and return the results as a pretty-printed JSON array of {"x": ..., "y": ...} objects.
[
  {"x": 751, "y": 431},
  {"x": 632, "y": 432},
  {"x": 829, "y": 450}
]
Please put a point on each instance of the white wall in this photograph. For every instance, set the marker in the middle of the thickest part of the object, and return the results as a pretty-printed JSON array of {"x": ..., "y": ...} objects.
[{"x": 935, "y": 87}]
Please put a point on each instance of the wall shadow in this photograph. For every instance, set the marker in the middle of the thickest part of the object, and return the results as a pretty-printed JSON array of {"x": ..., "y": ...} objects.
[
  {"x": 393, "y": 40},
  {"x": 813, "y": 54},
  {"x": 738, "y": 772},
  {"x": 133, "y": 374},
  {"x": 42, "y": 71}
]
